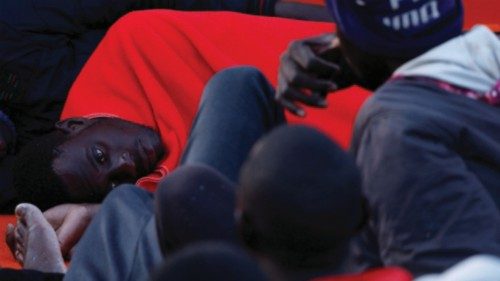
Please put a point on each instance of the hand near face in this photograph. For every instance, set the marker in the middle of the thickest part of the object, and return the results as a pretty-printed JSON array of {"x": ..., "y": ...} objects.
[
  {"x": 70, "y": 221},
  {"x": 309, "y": 69}
]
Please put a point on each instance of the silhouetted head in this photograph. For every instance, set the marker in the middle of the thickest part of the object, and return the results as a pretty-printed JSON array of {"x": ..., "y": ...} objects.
[
  {"x": 83, "y": 159},
  {"x": 377, "y": 36},
  {"x": 192, "y": 204},
  {"x": 209, "y": 262},
  {"x": 299, "y": 199}
]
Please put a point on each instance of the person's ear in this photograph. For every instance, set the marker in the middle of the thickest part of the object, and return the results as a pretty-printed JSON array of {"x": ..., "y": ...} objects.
[{"x": 73, "y": 125}]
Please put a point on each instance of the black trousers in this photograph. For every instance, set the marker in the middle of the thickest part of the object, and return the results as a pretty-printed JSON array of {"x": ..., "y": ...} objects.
[{"x": 32, "y": 275}]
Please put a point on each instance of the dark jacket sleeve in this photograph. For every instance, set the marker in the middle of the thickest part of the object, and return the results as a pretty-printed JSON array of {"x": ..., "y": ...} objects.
[
  {"x": 29, "y": 275},
  {"x": 44, "y": 44},
  {"x": 71, "y": 16},
  {"x": 7, "y": 132},
  {"x": 426, "y": 204},
  {"x": 259, "y": 7}
]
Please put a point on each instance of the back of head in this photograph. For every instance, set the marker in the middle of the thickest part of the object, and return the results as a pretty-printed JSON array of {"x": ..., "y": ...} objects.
[
  {"x": 210, "y": 261},
  {"x": 397, "y": 28},
  {"x": 34, "y": 178},
  {"x": 299, "y": 197},
  {"x": 194, "y": 203}
]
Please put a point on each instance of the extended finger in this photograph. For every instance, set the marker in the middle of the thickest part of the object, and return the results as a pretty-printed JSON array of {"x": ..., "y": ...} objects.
[
  {"x": 290, "y": 106},
  {"x": 294, "y": 94},
  {"x": 283, "y": 101}
]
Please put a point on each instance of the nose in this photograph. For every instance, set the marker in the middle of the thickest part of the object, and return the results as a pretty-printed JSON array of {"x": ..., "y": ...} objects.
[{"x": 123, "y": 168}]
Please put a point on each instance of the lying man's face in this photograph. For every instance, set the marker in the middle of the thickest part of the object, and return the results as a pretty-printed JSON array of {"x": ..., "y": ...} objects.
[{"x": 94, "y": 156}]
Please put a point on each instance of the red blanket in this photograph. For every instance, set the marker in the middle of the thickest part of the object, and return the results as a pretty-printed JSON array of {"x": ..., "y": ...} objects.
[
  {"x": 260, "y": 39},
  {"x": 383, "y": 274},
  {"x": 152, "y": 66},
  {"x": 6, "y": 259}
]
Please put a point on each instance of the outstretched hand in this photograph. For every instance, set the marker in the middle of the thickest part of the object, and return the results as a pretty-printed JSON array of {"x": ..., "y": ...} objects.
[
  {"x": 309, "y": 69},
  {"x": 70, "y": 221}
]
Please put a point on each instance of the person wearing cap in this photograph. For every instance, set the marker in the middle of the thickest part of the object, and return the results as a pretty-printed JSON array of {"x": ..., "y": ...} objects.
[
  {"x": 427, "y": 141},
  {"x": 346, "y": 75}
]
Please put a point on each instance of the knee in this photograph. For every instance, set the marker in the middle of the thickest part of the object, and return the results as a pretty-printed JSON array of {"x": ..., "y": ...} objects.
[
  {"x": 238, "y": 81},
  {"x": 247, "y": 74},
  {"x": 125, "y": 194},
  {"x": 186, "y": 180}
]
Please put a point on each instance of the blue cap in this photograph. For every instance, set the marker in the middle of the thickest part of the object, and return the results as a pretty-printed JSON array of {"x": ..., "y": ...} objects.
[{"x": 397, "y": 28}]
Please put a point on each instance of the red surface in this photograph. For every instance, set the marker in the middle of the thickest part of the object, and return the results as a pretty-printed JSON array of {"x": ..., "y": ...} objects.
[
  {"x": 260, "y": 40},
  {"x": 384, "y": 274},
  {"x": 6, "y": 259},
  {"x": 309, "y": 2},
  {"x": 482, "y": 11},
  {"x": 476, "y": 11},
  {"x": 152, "y": 67}
]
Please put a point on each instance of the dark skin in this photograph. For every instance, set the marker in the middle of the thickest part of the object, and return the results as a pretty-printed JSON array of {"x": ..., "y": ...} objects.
[
  {"x": 96, "y": 158},
  {"x": 249, "y": 225},
  {"x": 311, "y": 68},
  {"x": 100, "y": 156}
]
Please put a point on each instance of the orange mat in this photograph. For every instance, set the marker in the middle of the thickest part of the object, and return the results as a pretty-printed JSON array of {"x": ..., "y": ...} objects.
[
  {"x": 482, "y": 11},
  {"x": 6, "y": 259}
]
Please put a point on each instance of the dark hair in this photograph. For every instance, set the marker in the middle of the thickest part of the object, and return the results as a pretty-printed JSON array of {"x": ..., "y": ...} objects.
[
  {"x": 34, "y": 178},
  {"x": 301, "y": 198},
  {"x": 210, "y": 261},
  {"x": 194, "y": 203}
]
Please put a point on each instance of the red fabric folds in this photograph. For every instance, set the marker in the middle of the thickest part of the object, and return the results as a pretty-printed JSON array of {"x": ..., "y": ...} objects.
[
  {"x": 152, "y": 66},
  {"x": 382, "y": 274}
]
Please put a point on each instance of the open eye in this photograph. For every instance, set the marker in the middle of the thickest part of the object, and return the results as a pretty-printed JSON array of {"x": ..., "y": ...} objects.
[{"x": 99, "y": 155}]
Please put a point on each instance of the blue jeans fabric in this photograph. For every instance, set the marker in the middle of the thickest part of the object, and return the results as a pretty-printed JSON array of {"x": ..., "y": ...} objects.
[
  {"x": 236, "y": 109},
  {"x": 121, "y": 243}
]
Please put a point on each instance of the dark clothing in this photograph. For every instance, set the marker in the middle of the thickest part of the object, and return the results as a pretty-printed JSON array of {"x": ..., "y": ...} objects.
[
  {"x": 31, "y": 275},
  {"x": 121, "y": 242},
  {"x": 44, "y": 44},
  {"x": 123, "y": 234},
  {"x": 236, "y": 109},
  {"x": 194, "y": 203},
  {"x": 430, "y": 162}
]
